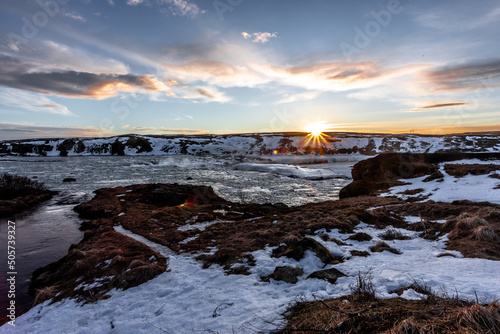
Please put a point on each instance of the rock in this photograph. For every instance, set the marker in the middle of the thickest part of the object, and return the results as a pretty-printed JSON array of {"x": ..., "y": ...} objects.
[
  {"x": 329, "y": 275},
  {"x": 286, "y": 274},
  {"x": 69, "y": 179},
  {"x": 383, "y": 171},
  {"x": 298, "y": 250},
  {"x": 189, "y": 178}
]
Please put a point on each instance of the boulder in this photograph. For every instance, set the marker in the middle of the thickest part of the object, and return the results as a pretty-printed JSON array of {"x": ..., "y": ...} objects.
[
  {"x": 329, "y": 275},
  {"x": 298, "y": 250},
  {"x": 286, "y": 274}
]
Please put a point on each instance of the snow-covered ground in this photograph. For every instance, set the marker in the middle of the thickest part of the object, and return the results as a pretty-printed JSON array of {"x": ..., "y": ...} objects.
[
  {"x": 189, "y": 299},
  {"x": 470, "y": 187}
]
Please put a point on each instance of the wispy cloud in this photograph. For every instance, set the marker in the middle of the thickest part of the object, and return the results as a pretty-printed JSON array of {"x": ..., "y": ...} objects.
[
  {"x": 75, "y": 16},
  {"x": 444, "y": 105},
  {"x": 259, "y": 37},
  {"x": 172, "y": 7},
  {"x": 180, "y": 8},
  {"x": 16, "y": 73},
  {"x": 32, "y": 102},
  {"x": 134, "y": 2},
  {"x": 212, "y": 94},
  {"x": 26, "y": 131},
  {"x": 470, "y": 75},
  {"x": 459, "y": 20},
  {"x": 163, "y": 130}
]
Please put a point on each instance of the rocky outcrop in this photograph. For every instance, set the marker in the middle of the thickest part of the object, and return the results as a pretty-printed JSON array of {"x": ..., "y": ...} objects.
[{"x": 372, "y": 175}]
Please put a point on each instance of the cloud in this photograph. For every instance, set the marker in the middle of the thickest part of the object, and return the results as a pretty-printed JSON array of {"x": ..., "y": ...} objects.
[
  {"x": 180, "y": 8},
  {"x": 317, "y": 77},
  {"x": 75, "y": 16},
  {"x": 32, "y": 102},
  {"x": 134, "y": 2},
  {"x": 470, "y": 75},
  {"x": 212, "y": 94},
  {"x": 259, "y": 37},
  {"x": 25, "y": 75},
  {"x": 111, "y": 2},
  {"x": 27, "y": 131},
  {"x": 163, "y": 130},
  {"x": 50, "y": 55},
  {"x": 444, "y": 105},
  {"x": 222, "y": 74},
  {"x": 172, "y": 7},
  {"x": 459, "y": 20}
]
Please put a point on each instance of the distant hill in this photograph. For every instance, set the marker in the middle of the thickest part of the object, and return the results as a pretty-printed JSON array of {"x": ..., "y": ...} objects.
[{"x": 253, "y": 144}]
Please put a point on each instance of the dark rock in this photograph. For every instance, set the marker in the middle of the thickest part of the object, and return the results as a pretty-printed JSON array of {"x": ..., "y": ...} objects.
[
  {"x": 286, "y": 274},
  {"x": 117, "y": 148},
  {"x": 329, "y": 275},
  {"x": 69, "y": 179},
  {"x": 298, "y": 250}
]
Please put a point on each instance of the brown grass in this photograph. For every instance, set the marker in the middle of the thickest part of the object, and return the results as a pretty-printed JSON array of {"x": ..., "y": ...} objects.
[
  {"x": 345, "y": 315},
  {"x": 484, "y": 233},
  {"x": 360, "y": 236},
  {"x": 44, "y": 294},
  {"x": 382, "y": 246},
  {"x": 479, "y": 318}
]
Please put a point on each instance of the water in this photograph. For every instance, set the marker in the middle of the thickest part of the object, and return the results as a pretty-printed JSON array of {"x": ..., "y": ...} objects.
[{"x": 45, "y": 234}]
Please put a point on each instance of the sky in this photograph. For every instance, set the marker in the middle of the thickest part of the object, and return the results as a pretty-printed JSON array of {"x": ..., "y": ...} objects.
[{"x": 107, "y": 67}]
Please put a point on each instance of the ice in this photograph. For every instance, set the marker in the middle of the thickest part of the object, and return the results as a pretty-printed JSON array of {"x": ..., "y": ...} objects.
[{"x": 288, "y": 170}]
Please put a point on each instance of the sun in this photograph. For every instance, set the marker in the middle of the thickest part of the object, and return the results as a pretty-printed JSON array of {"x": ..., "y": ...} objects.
[{"x": 316, "y": 128}]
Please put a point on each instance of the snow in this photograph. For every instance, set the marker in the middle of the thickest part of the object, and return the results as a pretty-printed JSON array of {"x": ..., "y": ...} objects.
[
  {"x": 475, "y": 188},
  {"x": 202, "y": 226},
  {"x": 189, "y": 299}
]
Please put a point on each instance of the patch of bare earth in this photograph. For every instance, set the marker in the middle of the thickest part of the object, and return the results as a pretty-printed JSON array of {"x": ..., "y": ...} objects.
[{"x": 460, "y": 170}]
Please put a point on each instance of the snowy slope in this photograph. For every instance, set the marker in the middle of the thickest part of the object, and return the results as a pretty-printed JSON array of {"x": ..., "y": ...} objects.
[{"x": 475, "y": 188}]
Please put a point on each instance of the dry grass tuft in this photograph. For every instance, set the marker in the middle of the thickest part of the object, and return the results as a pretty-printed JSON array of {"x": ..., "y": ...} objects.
[
  {"x": 392, "y": 234},
  {"x": 363, "y": 290},
  {"x": 407, "y": 326},
  {"x": 479, "y": 318},
  {"x": 44, "y": 294},
  {"x": 465, "y": 222},
  {"x": 485, "y": 233},
  {"x": 382, "y": 246}
]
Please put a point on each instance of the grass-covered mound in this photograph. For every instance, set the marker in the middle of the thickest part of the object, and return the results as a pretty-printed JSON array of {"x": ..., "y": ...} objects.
[{"x": 19, "y": 193}]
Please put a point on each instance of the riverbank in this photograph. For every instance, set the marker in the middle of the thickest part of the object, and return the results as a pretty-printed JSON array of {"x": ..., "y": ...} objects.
[{"x": 249, "y": 262}]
